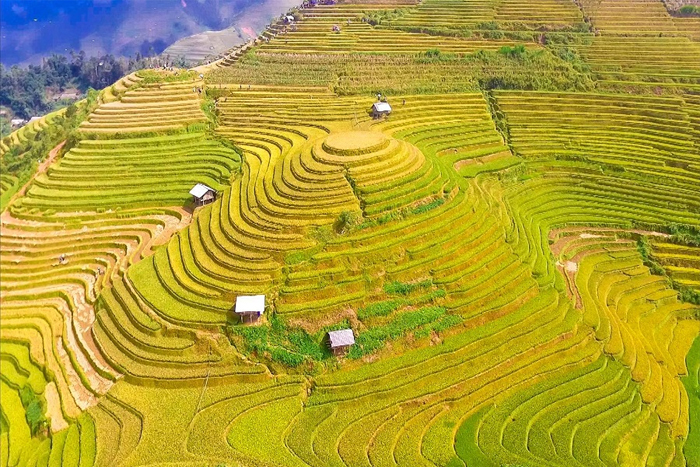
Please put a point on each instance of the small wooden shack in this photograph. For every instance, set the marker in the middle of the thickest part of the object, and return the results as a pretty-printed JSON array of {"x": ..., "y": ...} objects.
[
  {"x": 203, "y": 194},
  {"x": 380, "y": 109},
  {"x": 249, "y": 307},
  {"x": 71, "y": 95},
  {"x": 340, "y": 341}
]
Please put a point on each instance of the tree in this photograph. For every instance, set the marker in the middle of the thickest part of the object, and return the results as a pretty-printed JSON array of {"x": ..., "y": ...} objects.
[
  {"x": 57, "y": 71},
  {"x": 34, "y": 410},
  {"x": 345, "y": 221}
]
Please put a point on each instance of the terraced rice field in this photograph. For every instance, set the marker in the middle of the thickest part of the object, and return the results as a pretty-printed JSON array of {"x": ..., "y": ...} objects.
[
  {"x": 659, "y": 61},
  {"x": 630, "y": 17},
  {"x": 151, "y": 107},
  {"x": 28, "y": 131},
  {"x": 681, "y": 262},
  {"x": 7, "y": 183},
  {"x": 132, "y": 172},
  {"x": 514, "y": 263},
  {"x": 315, "y": 35},
  {"x": 476, "y": 15}
]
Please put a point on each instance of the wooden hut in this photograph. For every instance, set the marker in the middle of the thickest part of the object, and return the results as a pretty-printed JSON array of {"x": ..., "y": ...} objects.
[
  {"x": 380, "y": 109},
  {"x": 249, "y": 307},
  {"x": 202, "y": 194},
  {"x": 340, "y": 341}
]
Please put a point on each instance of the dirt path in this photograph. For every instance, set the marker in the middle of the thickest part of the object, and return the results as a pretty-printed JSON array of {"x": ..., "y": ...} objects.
[
  {"x": 41, "y": 169},
  {"x": 53, "y": 408}
]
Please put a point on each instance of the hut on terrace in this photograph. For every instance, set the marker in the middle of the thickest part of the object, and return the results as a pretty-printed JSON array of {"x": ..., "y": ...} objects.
[
  {"x": 249, "y": 307},
  {"x": 71, "y": 95},
  {"x": 203, "y": 194},
  {"x": 341, "y": 341},
  {"x": 380, "y": 109}
]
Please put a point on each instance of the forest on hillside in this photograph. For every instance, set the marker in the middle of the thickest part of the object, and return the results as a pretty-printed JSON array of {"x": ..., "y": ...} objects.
[{"x": 35, "y": 90}]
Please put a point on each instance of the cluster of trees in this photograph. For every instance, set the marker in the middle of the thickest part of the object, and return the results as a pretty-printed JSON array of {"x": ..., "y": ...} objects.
[{"x": 24, "y": 89}]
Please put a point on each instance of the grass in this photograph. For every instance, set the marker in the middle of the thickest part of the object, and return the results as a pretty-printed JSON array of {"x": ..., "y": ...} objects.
[{"x": 372, "y": 340}]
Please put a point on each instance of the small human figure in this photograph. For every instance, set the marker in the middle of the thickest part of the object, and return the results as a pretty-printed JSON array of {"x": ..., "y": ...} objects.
[{"x": 404, "y": 102}]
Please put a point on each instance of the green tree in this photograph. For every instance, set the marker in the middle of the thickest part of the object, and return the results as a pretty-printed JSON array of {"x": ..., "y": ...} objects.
[
  {"x": 34, "y": 410},
  {"x": 346, "y": 220}
]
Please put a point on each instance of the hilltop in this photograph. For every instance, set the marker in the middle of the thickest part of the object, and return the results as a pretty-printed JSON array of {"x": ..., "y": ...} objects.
[{"x": 496, "y": 200}]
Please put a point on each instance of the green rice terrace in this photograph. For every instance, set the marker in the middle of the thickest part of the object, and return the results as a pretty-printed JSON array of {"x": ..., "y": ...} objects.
[{"x": 255, "y": 263}]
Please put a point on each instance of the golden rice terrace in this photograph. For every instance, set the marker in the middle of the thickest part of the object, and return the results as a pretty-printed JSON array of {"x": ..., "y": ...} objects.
[{"x": 452, "y": 233}]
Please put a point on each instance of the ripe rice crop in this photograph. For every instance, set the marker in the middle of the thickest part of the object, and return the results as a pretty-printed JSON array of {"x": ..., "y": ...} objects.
[{"x": 512, "y": 248}]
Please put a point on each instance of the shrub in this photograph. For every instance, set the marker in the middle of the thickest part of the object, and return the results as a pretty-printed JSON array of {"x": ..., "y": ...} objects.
[
  {"x": 376, "y": 18},
  {"x": 346, "y": 220},
  {"x": 383, "y": 308},
  {"x": 493, "y": 35},
  {"x": 34, "y": 410},
  {"x": 689, "y": 10},
  {"x": 685, "y": 234},
  {"x": 285, "y": 357},
  {"x": 402, "y": 288},
  {"x": 488, "y": 26},
  {"x": 517, "y": 51}
]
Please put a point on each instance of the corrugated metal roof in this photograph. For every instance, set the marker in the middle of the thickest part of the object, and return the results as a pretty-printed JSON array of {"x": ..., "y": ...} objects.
[
  {"x": 341, "y": 338},
  {"x": 381, "y": 107},
  {"x": 200, "y": 189},
  {"x": 250, "y": 304}
]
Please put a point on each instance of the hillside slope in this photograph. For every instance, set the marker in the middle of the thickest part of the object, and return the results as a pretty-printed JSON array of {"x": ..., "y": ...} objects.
[{"x": 515, "y": 247}]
